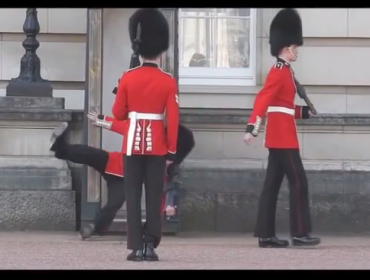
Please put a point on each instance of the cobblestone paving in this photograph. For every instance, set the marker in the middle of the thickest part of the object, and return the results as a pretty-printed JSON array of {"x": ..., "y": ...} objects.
[{"x": 40, "y": 250}]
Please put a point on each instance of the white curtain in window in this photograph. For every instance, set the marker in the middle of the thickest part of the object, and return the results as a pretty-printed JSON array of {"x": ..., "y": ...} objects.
[{"x": 219, "y": 42}]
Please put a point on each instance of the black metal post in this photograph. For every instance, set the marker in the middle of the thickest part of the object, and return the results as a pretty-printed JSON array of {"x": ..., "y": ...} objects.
[{"x": 29, "y": 82}]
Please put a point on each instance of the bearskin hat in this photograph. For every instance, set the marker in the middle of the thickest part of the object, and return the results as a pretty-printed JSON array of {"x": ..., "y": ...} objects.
[
  {"x": 185, "y": 144},
  {"x": 285, "y": 30},
  {"x": 153, "y": 30}
]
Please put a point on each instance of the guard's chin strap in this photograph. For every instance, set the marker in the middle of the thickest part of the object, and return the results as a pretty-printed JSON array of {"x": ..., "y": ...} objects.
[{"x": 292, "y": 53}]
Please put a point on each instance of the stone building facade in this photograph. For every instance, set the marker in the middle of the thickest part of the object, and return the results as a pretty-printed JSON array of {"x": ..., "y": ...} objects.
[{"x": 222, "y": 173}]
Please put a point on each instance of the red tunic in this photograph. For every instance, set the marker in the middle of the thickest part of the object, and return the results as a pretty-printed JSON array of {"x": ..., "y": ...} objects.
[
  {"x": 148, "y": 92},
  {"x": 276, "y": 101},
  {"x": 115, "y": 159},
  {"x": 115, "y": 164}
]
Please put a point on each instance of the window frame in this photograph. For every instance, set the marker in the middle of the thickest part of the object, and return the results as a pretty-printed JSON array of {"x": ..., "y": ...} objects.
[{"x": 197, "y": 76}]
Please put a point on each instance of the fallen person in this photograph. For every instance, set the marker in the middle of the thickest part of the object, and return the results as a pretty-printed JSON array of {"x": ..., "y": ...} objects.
[{"x": 110, "y": 166}]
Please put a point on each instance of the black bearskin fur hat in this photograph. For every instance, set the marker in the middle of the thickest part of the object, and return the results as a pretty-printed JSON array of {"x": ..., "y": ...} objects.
[
  {"x": 285, "y": 30},
  {"x": 154, "y": 32},
  {"x": 185, "y": 144}
]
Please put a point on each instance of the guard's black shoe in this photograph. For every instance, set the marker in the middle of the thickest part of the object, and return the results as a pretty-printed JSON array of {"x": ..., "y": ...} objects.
[
  {"x": 135, "y": 256},
  {"x": 87, "y": 232},
  {"x": 149, "y": 253},
  {"x": 58, "y": 132},
  {"x": 306, "y": 240},
  {"x": 272, "y": 242}
]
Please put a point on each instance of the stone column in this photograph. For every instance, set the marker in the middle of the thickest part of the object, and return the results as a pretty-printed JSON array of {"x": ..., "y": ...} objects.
[
  {"x": 36, "y": 190},
  {"x": 29, "y": 82}
]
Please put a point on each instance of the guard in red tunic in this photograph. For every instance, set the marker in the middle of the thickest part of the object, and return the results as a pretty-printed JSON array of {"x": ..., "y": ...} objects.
[
  {"x": 276, "y": 102},
  {"x": 145, "y": 96}
]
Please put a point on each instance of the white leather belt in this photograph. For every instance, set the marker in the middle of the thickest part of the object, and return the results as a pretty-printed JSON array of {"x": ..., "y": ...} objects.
[
  {"x": 278, "y": 109},
  {"x": 134, "y": 117}
]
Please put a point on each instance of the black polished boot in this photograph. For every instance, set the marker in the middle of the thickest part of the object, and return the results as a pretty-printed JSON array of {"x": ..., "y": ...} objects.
[
  {"x": 57, "y": 138},
  {"x": 272, "y": 242},
  {"x": 306, "y": 240},
  {"x": 135, "y": 256},
  {"x": 88, "y": 231},
  {"x": 149, "y": 253}
]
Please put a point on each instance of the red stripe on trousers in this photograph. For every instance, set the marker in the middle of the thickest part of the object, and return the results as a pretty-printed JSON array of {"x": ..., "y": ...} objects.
[{"x": 299, "y": 217}]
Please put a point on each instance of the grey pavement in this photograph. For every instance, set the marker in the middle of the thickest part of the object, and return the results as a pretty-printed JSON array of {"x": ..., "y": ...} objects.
[{"x": 55, "y": 250}]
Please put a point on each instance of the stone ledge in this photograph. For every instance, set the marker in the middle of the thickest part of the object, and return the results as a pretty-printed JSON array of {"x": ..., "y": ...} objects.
[
  {"x": 60, "y": 115},
  {"x": 25, "y": 162},
  {"x": 255, "y": 164},
  {"x": 240, "y": 117},
  {"x": 226, "y": 199},
  {"x": 35, "y": 179},
  {"x": 32, "y": 102},
  {"x": 191, "y": 116},
  {"x": 188, "y": 116}
]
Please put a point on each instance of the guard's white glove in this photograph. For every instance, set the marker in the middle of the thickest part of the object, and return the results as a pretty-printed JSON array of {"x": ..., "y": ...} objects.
[{"x": 93, "y": 117}]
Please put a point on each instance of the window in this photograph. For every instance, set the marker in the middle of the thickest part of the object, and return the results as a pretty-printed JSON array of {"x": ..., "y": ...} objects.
[{"x": 217, "y": 46}]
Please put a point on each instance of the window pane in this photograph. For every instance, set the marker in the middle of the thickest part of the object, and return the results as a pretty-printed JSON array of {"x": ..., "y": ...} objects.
[
  {"x": 216, "y": 43},
  {"x": 168, "y": 57},
  {"x": 215, "y": 12}
]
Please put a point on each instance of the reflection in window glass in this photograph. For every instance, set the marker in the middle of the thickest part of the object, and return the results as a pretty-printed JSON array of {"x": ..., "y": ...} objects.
[{"x": 216, "y": 38}]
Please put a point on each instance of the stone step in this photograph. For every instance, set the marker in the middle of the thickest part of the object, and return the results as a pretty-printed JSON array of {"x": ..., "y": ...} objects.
[
  {"x": 246, "y": 164},
  {"x": 32, "y": 102},
  {"x": 223, "y": 195},
  {"x": 25, "y": 162},
  {"x": 34, "y": 173},
  {"x": 35, "y": 179},
  {"x": 36, "y": 183}
]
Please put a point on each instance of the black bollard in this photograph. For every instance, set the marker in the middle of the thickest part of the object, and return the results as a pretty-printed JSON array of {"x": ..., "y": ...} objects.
[{"x": 29, "y": 82}]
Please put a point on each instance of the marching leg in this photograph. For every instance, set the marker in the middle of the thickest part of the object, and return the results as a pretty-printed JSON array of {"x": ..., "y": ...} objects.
[
  {"x": 154, "y": 186},
  {"x": 116, "y": 198},
  {"x": 265, "y": 225},
  {"x": 300, "y": 220},
  {"x": 134, "y": 175}
]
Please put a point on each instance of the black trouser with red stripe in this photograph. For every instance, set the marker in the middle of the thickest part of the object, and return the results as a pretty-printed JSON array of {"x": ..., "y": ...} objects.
[{"x": 283, "y": 162}]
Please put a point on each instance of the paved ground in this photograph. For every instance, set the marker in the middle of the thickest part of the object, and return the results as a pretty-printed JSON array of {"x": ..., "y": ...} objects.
[{"x": 25, "y": 250}]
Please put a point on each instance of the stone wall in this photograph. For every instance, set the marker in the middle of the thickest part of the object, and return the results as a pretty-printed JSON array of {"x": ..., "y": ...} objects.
[
  {"x": 330, "y": 67},
  {"x": 223, "y": 177},
  {"x": 36, "y": 190},
  {"x": 62, "y": 50}
]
